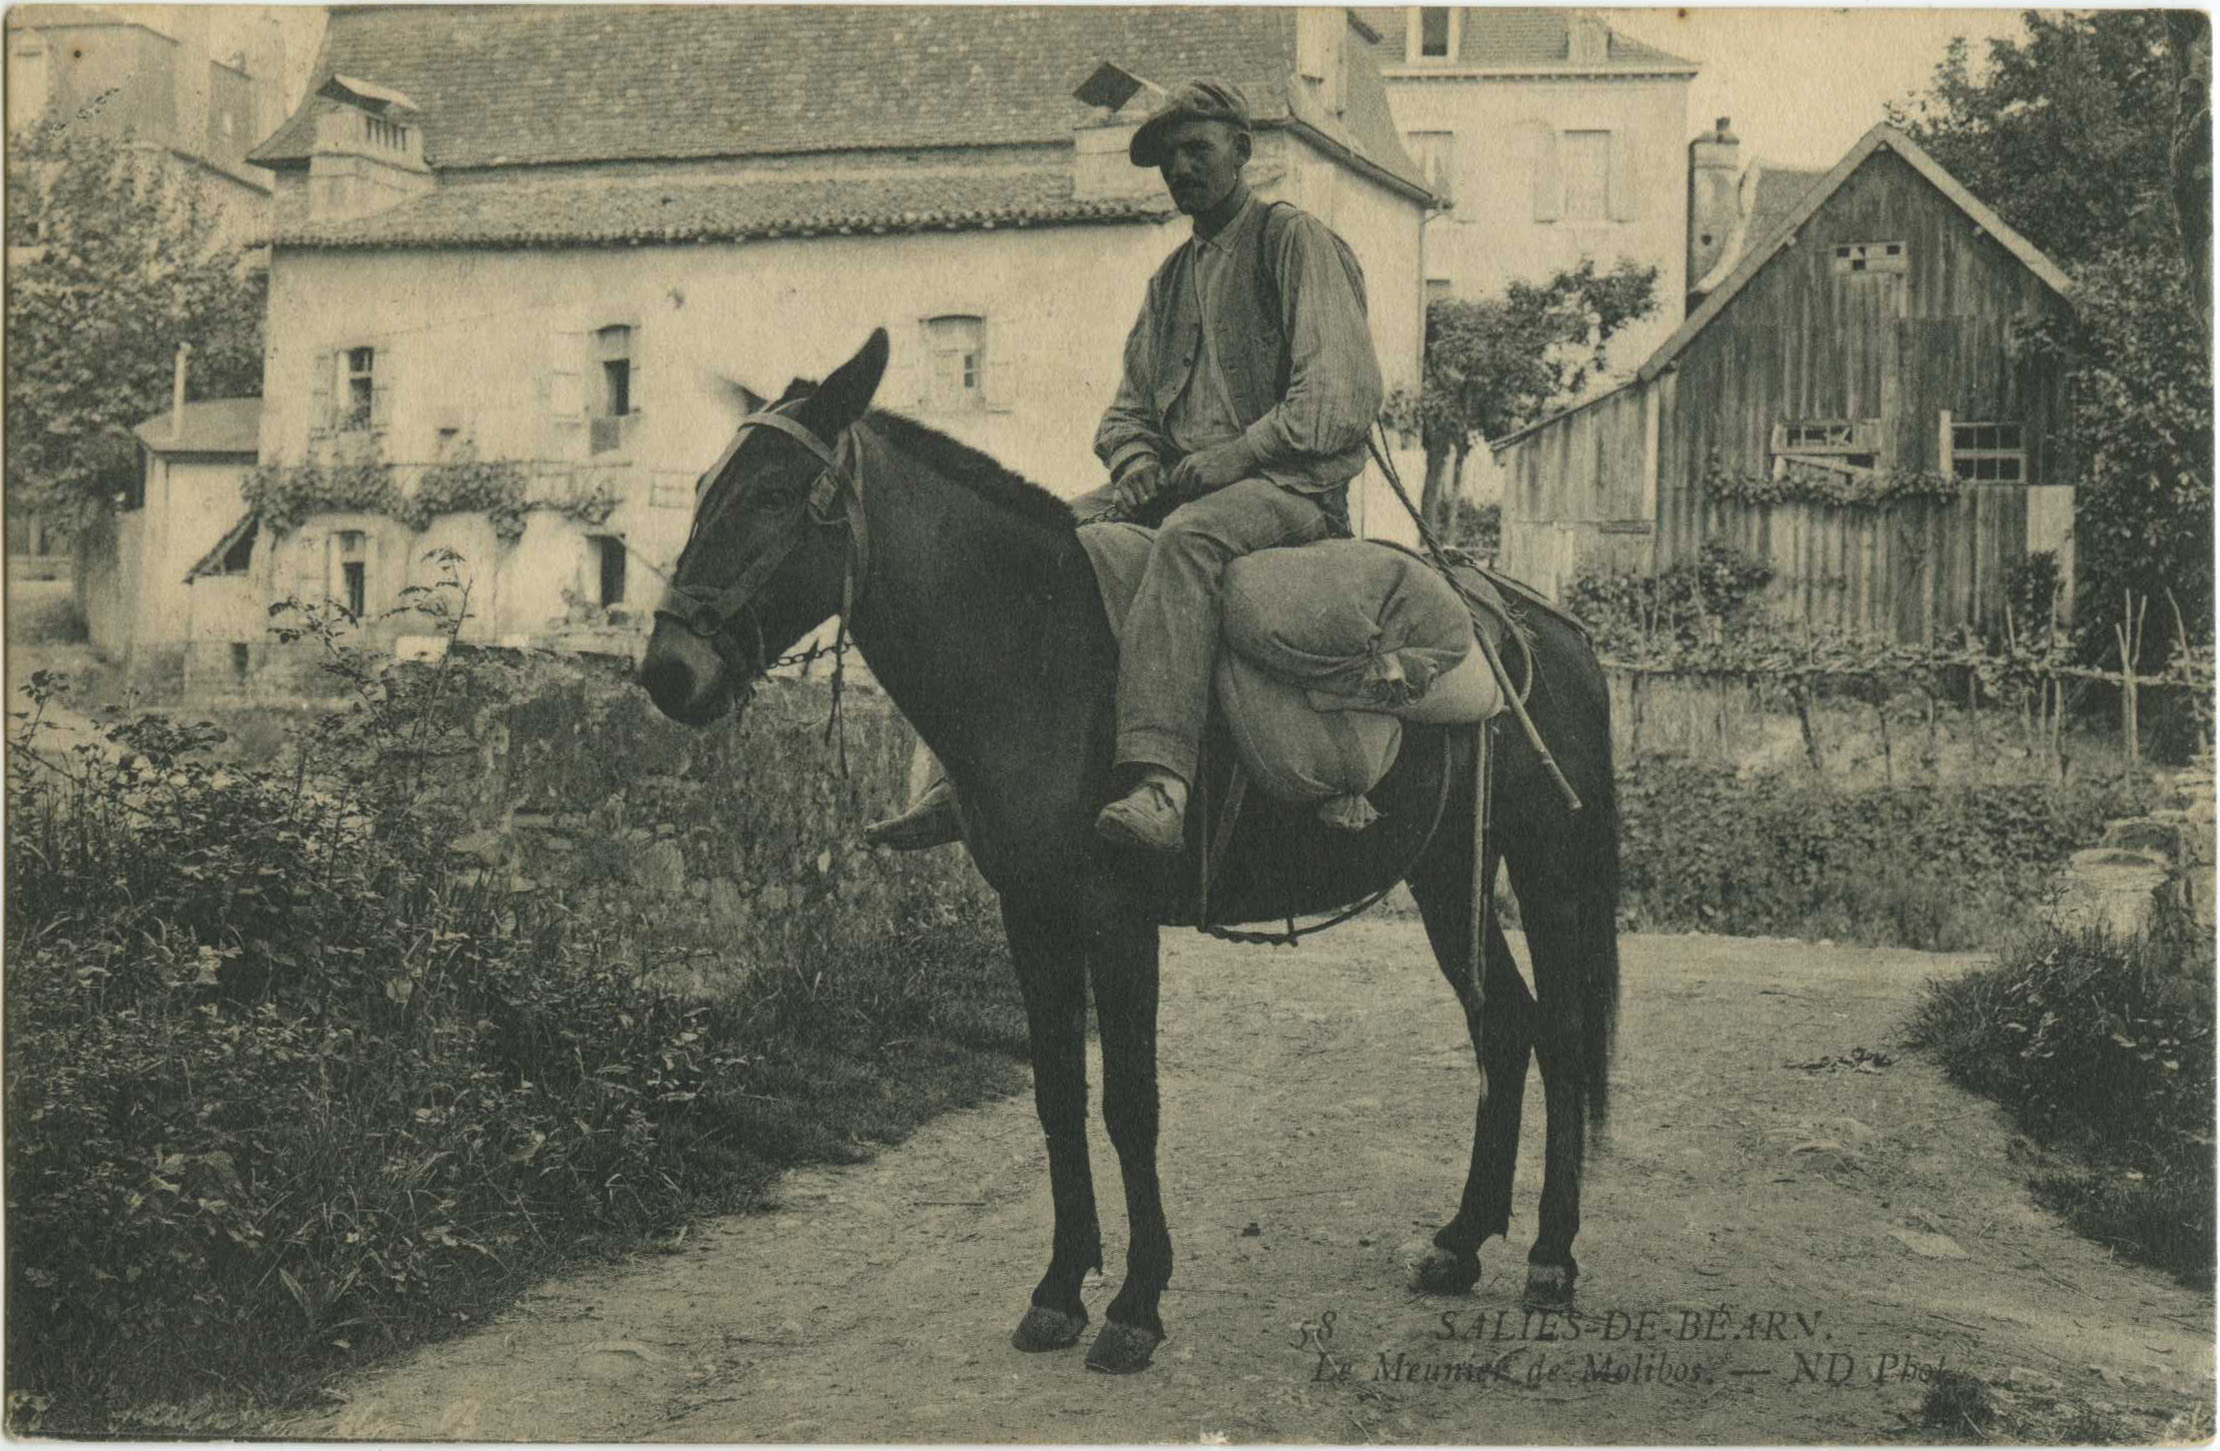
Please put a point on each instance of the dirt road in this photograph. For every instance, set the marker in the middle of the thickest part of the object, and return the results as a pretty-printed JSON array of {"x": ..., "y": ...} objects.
[{"x": 1854, "y": 1227}]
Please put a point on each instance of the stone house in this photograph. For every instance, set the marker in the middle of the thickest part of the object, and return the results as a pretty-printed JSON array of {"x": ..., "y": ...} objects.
[{"x": 574, "y": 241}]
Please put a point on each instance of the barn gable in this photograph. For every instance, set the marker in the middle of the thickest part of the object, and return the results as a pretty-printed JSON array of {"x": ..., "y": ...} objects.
[{"x": 1871, "y": 334}]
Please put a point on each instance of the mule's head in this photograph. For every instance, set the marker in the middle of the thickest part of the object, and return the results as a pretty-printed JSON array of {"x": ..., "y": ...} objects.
[{"x": 763, "y": 567}]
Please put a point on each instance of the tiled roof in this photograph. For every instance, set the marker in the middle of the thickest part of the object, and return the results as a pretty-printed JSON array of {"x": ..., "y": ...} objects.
[
  {"x": 584, "y": 213},
  {"x": 517, "y": 85},
  {"x": 213, "y": 425},
  {"x": 1496, "y": 37}
]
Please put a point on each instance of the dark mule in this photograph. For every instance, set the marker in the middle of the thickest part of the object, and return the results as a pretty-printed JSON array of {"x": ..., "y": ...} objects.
[{"x": 975, "y": 606}]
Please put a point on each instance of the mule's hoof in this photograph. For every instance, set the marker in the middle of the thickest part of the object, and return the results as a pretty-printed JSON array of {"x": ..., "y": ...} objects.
[
  {"x": 1046, "y": 1329},
  {"x": 1122, "y": 1349},
  {"x": 1550, "y": 1287},
  {"x": 1445, "y": 1272}
]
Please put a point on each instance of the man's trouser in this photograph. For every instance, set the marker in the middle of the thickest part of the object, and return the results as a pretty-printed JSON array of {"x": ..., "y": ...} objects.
[
  {"x": 1204, "y": 536},
  {"x": 1170, "y": 642}
]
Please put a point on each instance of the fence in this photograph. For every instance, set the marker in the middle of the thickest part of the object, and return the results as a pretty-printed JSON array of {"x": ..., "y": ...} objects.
[{"x": 2036, "y": 680}]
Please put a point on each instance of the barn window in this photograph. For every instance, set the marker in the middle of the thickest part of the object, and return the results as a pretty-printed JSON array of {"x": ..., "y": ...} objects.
[
  {"x": 1854, "y": 258},
  {"x": 1988, "y": 453},
  {"x": 1835, "y": 444}
]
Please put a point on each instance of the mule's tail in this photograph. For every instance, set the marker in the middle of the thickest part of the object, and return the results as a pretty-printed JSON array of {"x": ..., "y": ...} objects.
[{"x": 1598, "y": 948}]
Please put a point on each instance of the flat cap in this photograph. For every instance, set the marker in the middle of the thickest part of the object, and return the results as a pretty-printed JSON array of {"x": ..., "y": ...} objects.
[{"x": 1202, "y": 99}]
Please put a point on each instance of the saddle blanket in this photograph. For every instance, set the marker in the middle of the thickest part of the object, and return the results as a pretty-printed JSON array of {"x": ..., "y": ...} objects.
[{"x": 1326, "y": 650}]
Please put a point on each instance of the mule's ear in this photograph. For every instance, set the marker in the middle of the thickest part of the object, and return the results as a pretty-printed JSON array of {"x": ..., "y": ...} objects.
[{"x": 846, "y": 395}]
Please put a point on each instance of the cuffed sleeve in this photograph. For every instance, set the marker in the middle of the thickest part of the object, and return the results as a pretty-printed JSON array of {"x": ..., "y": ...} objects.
[{"x": 1130, "y": 429}]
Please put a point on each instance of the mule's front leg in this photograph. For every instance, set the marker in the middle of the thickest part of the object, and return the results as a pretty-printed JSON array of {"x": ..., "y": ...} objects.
[
  {"x": 1052, "y": 974},
  {"x": 1124, "y": 965}
]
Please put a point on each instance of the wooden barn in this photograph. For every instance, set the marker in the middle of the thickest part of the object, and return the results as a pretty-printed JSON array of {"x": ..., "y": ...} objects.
[{"x": 1861, "y": 351}]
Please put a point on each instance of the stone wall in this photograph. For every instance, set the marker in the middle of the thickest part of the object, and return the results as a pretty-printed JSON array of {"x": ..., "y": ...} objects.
[
  {"x": 738, "y": 839},
  {"x": 2152, "y": 872}
]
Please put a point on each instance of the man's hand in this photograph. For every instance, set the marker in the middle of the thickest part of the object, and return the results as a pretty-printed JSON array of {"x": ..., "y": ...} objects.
[
  {"x": 1212, "y": 468},
  {"x": 1142, "y": 481}
]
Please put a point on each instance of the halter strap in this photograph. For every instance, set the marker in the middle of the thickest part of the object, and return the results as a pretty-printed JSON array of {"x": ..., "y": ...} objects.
[{"x": 712, "y": 614}]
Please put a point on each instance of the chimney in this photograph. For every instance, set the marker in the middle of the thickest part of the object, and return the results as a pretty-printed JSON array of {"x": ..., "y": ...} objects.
[
  {"x": 1714, "y": 166},
  {"x": 177, "y": 393}
]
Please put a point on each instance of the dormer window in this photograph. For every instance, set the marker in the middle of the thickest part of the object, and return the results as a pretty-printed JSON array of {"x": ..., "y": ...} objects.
[
  {"x": 1589, "y": 41},
  {"x": 1434, "y": 32}
]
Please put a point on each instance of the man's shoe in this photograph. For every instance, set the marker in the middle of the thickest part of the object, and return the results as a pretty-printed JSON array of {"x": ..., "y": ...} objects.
[
  {"x": 931, "y": 821},
  {"x": 1147, "y": 818}
]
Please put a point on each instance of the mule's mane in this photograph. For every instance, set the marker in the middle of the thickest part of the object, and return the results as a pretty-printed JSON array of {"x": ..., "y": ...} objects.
[{"x": 965, "y": 465}]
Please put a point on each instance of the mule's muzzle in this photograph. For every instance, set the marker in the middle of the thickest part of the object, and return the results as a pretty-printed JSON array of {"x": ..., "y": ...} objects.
[{"x": 685, "y": 678}]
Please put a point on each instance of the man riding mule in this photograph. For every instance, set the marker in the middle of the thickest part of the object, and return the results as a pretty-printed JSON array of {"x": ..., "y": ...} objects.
[
  {"x": 1249, "y": 384},
  {"x": 977, "y": 602}
]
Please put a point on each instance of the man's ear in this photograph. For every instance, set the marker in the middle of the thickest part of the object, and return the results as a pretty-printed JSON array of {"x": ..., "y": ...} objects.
[{"x": 1244, "y": 146}]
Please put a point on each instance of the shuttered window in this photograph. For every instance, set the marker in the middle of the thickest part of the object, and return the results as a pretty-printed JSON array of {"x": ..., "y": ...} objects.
[
  {"x": 359, "y": 391},
  {"x": 1585, "y": 157},
  {"x": 958, "y": 347}
]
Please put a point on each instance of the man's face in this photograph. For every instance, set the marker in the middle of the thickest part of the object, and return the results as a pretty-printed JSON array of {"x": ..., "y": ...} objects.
[{"x": 1202, "y": 161}]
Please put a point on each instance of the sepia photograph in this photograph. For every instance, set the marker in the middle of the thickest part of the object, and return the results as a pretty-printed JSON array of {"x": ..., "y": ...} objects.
[{"x": 1102, "y": 724}]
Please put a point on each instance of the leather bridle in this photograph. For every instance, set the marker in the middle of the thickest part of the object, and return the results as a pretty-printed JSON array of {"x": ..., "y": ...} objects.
[{"x": 834, "y": 500}]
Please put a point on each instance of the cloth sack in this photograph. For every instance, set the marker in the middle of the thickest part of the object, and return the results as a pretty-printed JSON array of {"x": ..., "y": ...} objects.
[{"x": 1328, "y": 649}]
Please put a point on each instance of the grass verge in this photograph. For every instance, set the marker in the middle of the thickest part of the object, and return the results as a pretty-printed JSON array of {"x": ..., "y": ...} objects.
[{"x": 2102, "y": 1049}]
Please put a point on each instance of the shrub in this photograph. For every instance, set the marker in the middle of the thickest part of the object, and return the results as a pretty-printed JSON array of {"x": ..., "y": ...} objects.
[
  {"x": 1688, "y": 603},
  {"x": 2104, "y": 1048},
  {"x": 290, "y": 1080},
  {"x": 1938, "y": 867}
]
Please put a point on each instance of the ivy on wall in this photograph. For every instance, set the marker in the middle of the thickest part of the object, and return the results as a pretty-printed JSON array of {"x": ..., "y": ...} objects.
[
  {"x": 492, "y": 487},
  {"x": 1865, "y": 489},
  {"x": 287, "y": 495}
]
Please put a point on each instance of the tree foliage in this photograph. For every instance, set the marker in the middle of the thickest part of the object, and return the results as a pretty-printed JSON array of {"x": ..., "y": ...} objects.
[
  {"x": 2093, "y": 137},
  {"x": 1497, "y": 364},
  {"x": 120, "y": 264}
]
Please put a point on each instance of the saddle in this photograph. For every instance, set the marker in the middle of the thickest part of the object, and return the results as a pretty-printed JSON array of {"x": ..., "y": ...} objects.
[{"x": 1326, "y": 650}]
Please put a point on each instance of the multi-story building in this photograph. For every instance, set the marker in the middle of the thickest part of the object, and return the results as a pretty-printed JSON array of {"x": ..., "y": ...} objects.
[
  {"x": 573, "y": 239},
  {"x": 1552, "y": 137}
]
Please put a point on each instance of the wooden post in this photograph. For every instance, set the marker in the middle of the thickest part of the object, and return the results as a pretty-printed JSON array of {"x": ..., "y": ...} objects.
[
  {"x": 1635, "y": 694},
  {"x": 1888, "y": 753},
  {"x": 2128, "y": 634}
]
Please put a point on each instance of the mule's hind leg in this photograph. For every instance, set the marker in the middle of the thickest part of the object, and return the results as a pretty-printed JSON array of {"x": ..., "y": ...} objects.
[
  {"x": 1052, "y": 975},
  {"x": 1502, "y": 1034},
  {"x": 1552, "y": 938}
]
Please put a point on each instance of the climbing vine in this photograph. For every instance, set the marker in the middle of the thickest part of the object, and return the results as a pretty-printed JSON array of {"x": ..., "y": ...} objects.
[
  {"x": 285, "y": 495},
  {"x": 1868, "y": 489},
  {"x": 469, "y": 485}
]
